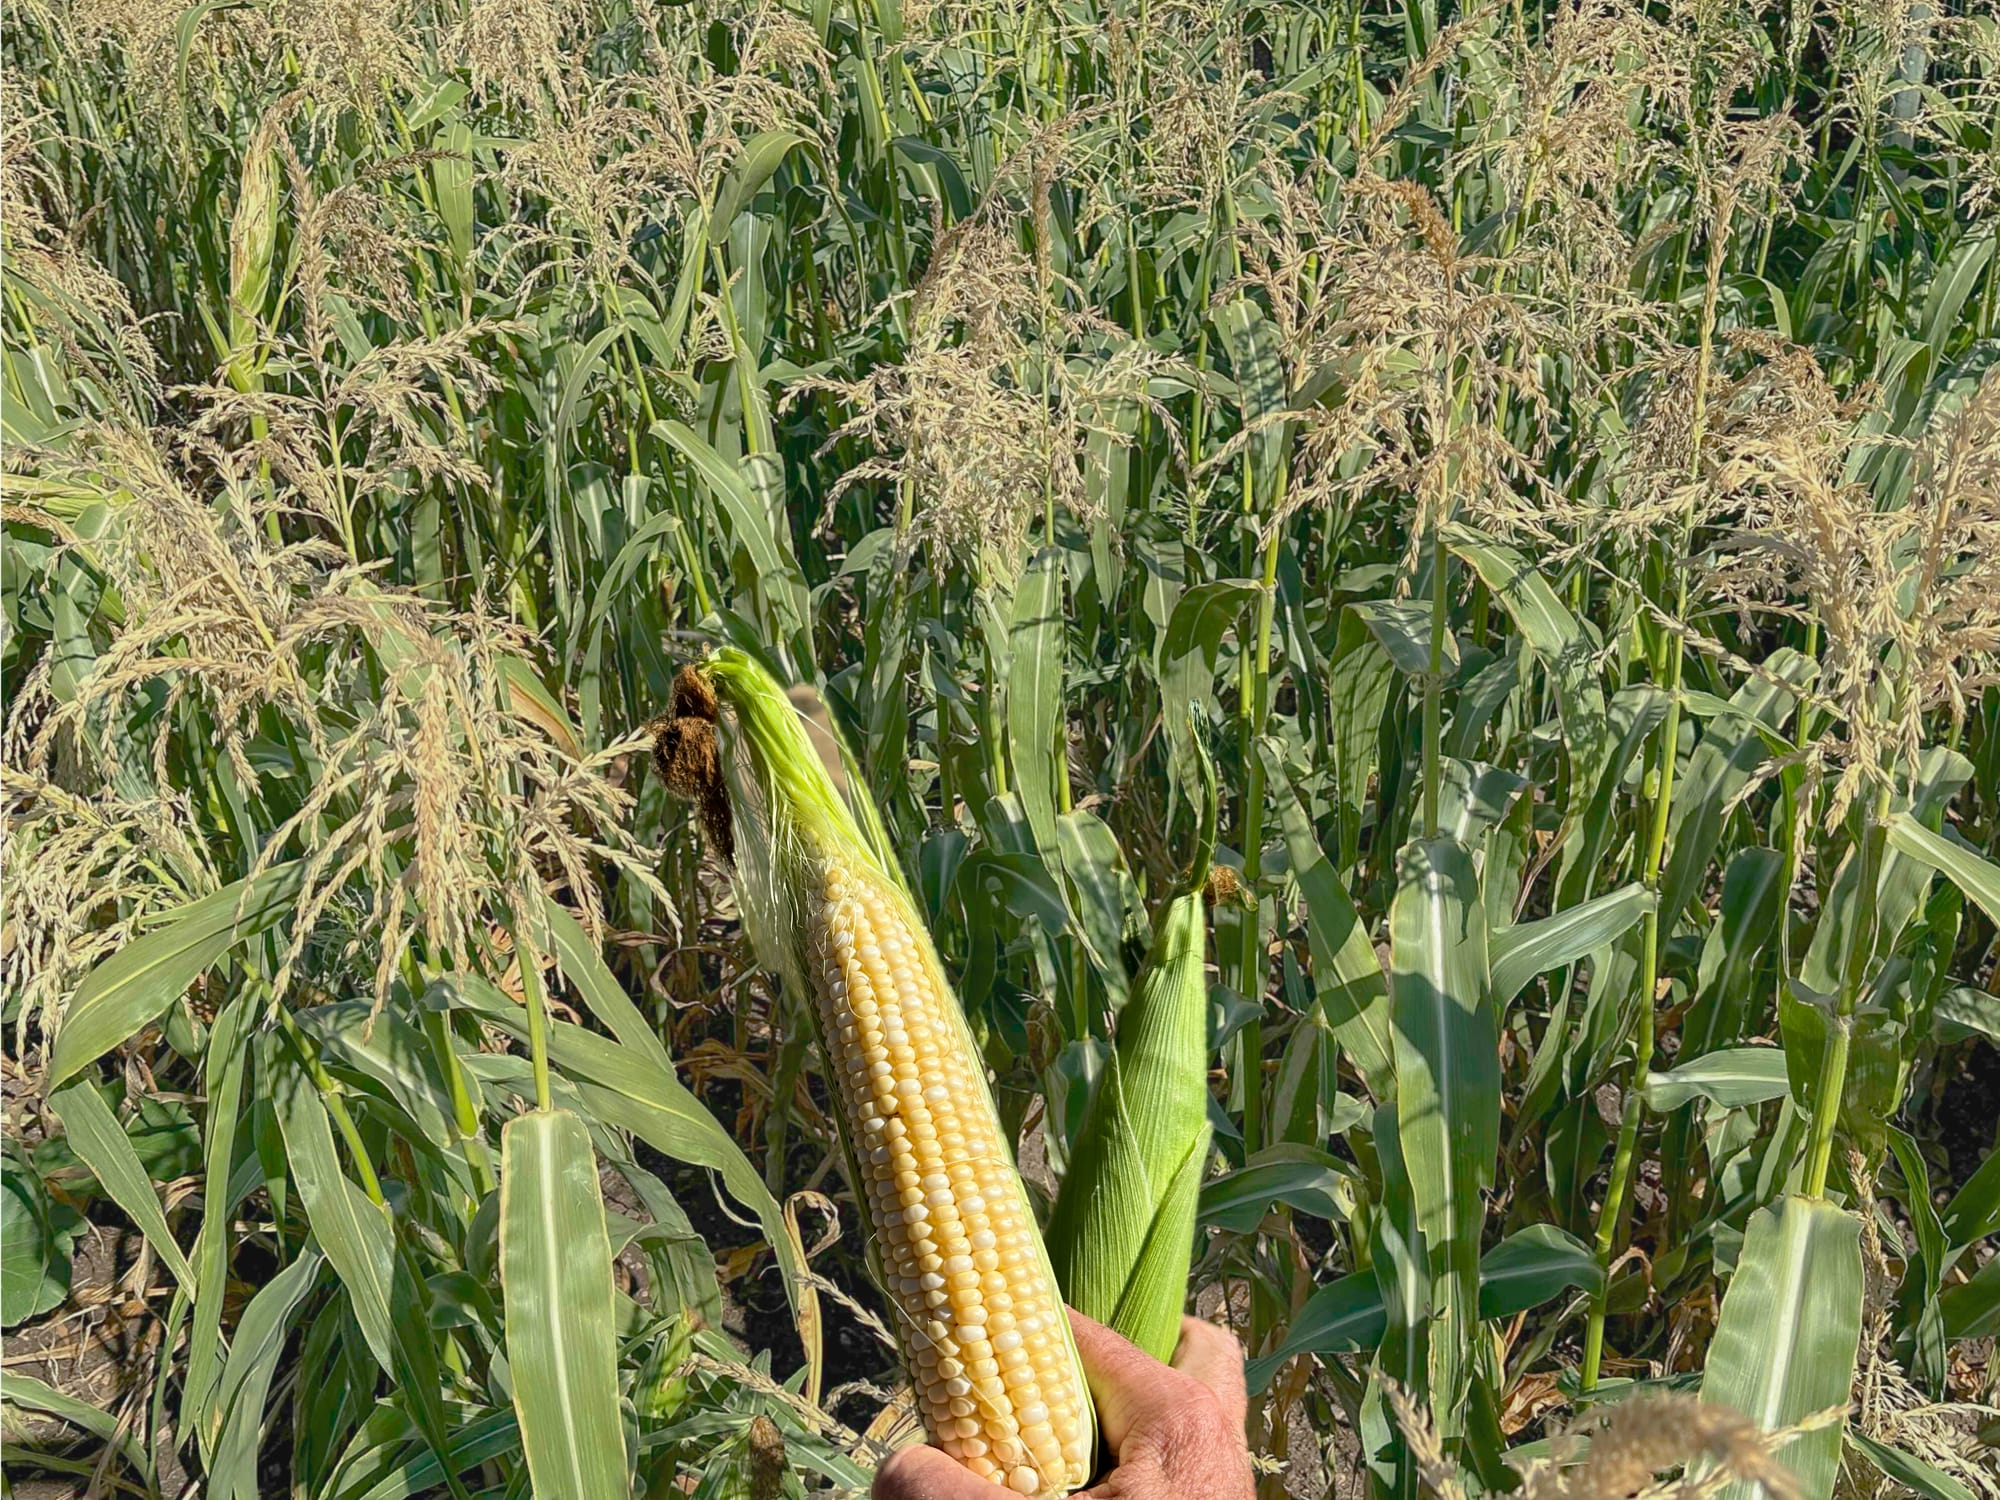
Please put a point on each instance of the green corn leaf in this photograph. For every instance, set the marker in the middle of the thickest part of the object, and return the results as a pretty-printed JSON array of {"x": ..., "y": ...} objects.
[
  {"x": 95, "y": 1135},
  {"x": 1308, "y": 1100},
  {"x": 1107, "y": 481},
  {"x": 555, "y": 1271},
  {"x": 352, "y": 1231},
  {"x": 635, "y": 1090},
  {"x": 1558, "y": 639},
  {"x": 1954, "y": 282},
  {"x": 1346, "y": 971},
  {"x": 226, "y": 1060},
  {"x": 1107, "y": 902},
  {"x": 1255, "y": 353},
  {"x": 1974, "y": 1210},
  {"x": 1735, "y": 1077},
  {"x": 494, "y": 1435},
  {"x": 1480, "y": 702},
  {"x": 1532, "y": 1265},
  {"x": 1302, "y": 1177},
  {"x": 1791, "y": 1323},
  {"x": 133, "y": 987},
  {"x": 771, "y": 561},
  {"x": 1526, "y": 949},
  {"x": 360, "y": 1245},
  {"x": 1474, "y": 798},
  {"x": 451, "y": 179},
  {"x": 1187, "y": 655},
  {"x": 1402, "y": 627},
  {"x": 1970, "y": 871},
  {"x": 1912, "y": 855},
  {"x": 388, "y": 1050},
  {"x": 254, "y": 1350},
  {"x": 1963, "y": 1011},
  {"x": 1925, "y": 1479},
  {"x": 1923, "y": 1280},
  {"x": 24, "y": 1391},
  {"x": 1634, "y": 714},
  {"x": 1753, "y": 897},
  {"x": 1971, "y": 1310},
  {"x": 761, "y": 156},
  {"x": 1034, "y": 695},
  {"x": 1732, "y": 747},
  {"x": 1447, "y": 1086},
  {"x": 583, "y": 965},
  {"x": 576, "y": 382},
  {"x": 1343, "y": 1317},
  {"x": 1403, "y": 1275},
  {"x": 1360, "y": 681},
  {"x": 1346, "y": 1316}
]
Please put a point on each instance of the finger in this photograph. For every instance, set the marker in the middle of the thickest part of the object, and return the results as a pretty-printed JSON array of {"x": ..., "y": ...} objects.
[
  {"x": 1214, "y": 1356},
  {"x": 1126, "y": 1381},
  {"x": 923, "y": 1473}
]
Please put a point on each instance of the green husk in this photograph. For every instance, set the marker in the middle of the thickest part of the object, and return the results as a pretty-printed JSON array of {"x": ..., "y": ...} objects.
[
  {"x": 788, "y": 813},
  {"x": 1122, "y": 1235}
]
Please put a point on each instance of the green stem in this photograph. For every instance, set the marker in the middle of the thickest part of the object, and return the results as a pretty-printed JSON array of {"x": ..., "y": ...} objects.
[
  {"x": 465, "y": 1119},
  {"x": 1826, "y": 1108},
  {"x": 1250, "y": 959},
  {"x": 1853, "y": 971},
  {"x": 1434, "y": 683},
  {"x": 1356, "y": 54},
  {"x": 994, "y": 739},
  {"x": 1611, "y": 1219},
  {"x": 1251, "y": 956}
]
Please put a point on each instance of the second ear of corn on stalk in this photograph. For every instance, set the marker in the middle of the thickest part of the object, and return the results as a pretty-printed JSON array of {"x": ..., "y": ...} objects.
[
  {"x": 953, "y": 1239},
  {"x": 1122, "y": 1235}
]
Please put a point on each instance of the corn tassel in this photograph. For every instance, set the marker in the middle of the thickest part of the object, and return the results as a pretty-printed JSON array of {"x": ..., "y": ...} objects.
[{"x": 952, "y": 1238}]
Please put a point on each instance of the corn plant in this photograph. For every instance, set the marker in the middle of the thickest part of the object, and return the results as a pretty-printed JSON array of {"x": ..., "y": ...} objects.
[{"x": 1544, "y": 457}]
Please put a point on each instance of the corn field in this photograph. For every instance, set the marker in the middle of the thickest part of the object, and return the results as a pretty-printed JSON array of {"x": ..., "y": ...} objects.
[{"x": 1480, "y": 521}]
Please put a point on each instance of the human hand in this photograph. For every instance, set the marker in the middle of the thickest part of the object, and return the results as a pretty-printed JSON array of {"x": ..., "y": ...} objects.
[{"x": 1176, "y": 1433}]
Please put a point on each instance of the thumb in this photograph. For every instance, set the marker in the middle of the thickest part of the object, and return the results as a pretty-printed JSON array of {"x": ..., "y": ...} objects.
[
  {"x": 1125, "y": 1380},
  {"x": 923, "y": 1473}
]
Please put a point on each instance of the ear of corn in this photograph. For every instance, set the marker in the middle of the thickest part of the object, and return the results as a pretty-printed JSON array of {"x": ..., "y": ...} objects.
[
  {"x": 954, "y": 1243},
  {"x": 1122, "y": 1235}
]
